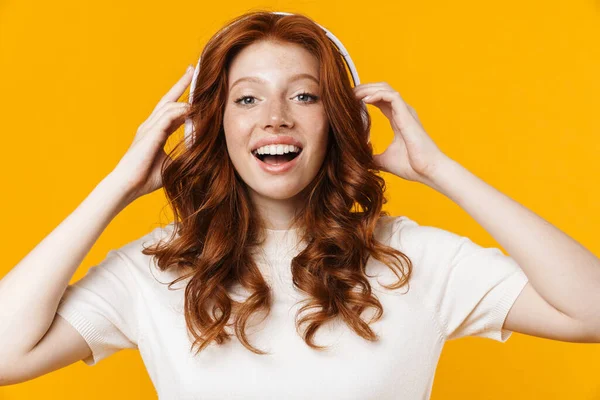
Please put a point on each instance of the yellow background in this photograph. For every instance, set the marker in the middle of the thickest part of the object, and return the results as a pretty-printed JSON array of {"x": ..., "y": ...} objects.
[{"x": 508, "y": 89}]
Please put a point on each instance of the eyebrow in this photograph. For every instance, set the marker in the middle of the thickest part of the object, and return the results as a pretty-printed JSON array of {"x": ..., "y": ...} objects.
[{"x": 259, "y": 80}]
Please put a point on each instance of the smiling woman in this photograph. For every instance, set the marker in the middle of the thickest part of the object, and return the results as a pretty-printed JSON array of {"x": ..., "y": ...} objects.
[
  {"x": 291, "y": 134},
  {"x": 278, "y": 225}
]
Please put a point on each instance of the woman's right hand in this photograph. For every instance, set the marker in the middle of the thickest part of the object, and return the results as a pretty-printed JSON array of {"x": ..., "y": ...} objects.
[{"x": 139, "y": 169}]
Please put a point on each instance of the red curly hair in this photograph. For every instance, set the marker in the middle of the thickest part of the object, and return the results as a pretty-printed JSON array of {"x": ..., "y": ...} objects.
[{"x": 216, "y": 228}]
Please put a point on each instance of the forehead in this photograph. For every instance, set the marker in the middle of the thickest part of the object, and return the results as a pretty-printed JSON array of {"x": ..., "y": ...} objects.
[{"x": 272, "y": 61}]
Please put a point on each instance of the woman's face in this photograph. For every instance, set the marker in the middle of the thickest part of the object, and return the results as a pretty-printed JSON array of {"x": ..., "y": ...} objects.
[{"x": 277, "y": 103}]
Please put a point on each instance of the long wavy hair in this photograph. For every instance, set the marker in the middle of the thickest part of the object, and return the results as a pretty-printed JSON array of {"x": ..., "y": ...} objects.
[{"x": 216, "y": 228}]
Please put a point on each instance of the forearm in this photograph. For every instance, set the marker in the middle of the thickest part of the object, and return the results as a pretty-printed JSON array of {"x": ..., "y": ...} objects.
[
  {"x": 31, "y": 291},
  {"x": 561, "y": 270}
]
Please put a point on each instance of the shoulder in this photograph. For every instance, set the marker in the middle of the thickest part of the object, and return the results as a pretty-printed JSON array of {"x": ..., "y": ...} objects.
[
  {"x": 150, "y": 238},
  {"x": 144, "y": 267},
  {"x": 426, "y": 243},
  {"x": 405, "y": 231}
]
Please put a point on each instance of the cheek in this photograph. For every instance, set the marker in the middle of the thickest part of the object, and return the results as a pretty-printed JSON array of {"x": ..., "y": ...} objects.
[
  {"x": 322, "y": 139},
  {"x": 239, "y": 123},
  {"x": 237, "y": 132}
]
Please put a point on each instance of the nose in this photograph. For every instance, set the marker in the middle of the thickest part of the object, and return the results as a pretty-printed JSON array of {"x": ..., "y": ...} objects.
[{"x": 277, "y": 114}]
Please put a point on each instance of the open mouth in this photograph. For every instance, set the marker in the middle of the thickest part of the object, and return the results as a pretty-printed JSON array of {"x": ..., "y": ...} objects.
[{"x": 276, "y": 159}]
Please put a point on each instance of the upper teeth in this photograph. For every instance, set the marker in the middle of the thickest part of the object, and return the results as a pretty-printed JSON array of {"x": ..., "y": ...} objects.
[{"x": 277, "y": 149}]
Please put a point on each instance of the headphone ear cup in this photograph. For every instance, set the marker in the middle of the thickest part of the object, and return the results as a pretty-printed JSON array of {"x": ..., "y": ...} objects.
[
  {"x": 365, "y": 117},
  {"x": 189, "y": 126},
  {"x": 188, "y": 135}
]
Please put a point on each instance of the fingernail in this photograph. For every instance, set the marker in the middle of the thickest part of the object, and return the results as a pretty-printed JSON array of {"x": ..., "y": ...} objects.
[{"x": 189, "y": 69}]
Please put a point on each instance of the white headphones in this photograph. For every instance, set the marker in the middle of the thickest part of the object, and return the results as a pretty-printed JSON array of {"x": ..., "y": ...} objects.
[{"x": 188, "y": 129}]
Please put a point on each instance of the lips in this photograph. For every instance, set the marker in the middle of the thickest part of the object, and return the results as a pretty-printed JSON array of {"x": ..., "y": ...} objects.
[
  {"x": 278, "y": 139},
  {"x": 290, "y": 155},
  {"x": 280, "y": 168}
]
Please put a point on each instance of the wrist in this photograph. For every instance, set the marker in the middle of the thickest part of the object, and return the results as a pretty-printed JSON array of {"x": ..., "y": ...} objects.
[
  {"x": 437, "y": 175},
  {"x": 119, "y": 188}
]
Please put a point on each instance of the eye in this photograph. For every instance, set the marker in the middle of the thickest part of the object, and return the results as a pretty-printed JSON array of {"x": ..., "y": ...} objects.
[
  {"x": 312, "y": 98},
  {"x": 241, "y": 100}
]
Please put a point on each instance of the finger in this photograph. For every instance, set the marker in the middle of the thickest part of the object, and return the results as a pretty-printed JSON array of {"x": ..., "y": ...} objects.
[
  {"x": 173, "y": 117},
  {"x": 362, "y": 94},
  {"x": 179, "y": 88},
  {"x": 166, "y": 109},
  {"x": 392, "y": 97},
  {"x": 155, "y": 120},
  {"x": 168, "y": 123},
  {"x": 368, "y": 86},
  {"x": 370, "y": 95}
]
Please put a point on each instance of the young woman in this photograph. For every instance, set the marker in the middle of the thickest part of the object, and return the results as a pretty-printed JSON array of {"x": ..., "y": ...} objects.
[{"x": 281, "y": 277}]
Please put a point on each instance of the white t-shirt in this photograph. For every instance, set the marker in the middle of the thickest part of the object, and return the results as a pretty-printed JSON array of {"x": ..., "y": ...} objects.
[{"x": 457, "y": 289}]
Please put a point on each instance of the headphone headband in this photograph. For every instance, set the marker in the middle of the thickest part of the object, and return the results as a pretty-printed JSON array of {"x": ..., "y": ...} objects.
[{"x": 188, "y": 128}]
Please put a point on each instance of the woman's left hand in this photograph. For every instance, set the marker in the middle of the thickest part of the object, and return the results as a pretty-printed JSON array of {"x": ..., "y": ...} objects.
[{"x": 412, "y": 155}]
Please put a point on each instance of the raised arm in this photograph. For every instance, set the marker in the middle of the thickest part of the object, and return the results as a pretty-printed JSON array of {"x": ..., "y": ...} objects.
[
  {"x": 31, "y": 291},
  {"x": 34, "y": 340}
]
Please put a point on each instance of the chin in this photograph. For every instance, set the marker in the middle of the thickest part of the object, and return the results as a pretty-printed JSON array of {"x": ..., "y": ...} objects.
[{"x": 276, "y": 192}]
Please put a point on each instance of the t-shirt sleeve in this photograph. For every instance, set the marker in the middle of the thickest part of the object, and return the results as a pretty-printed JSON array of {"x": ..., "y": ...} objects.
[
  {"x": 470, "y": 288},
  {"x": 101, "y": 306}
]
